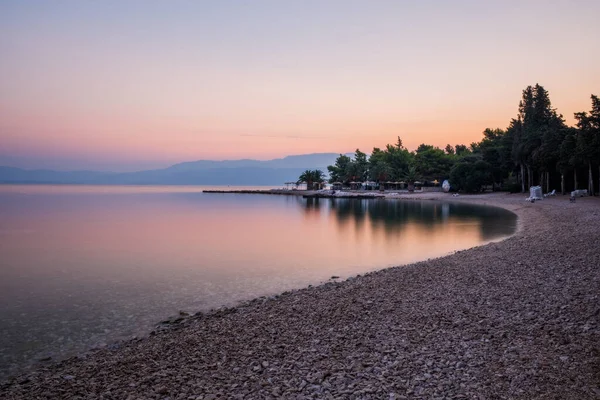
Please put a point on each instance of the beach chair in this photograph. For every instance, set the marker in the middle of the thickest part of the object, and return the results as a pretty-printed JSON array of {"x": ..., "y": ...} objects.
[{"x": 552, "y": 193}]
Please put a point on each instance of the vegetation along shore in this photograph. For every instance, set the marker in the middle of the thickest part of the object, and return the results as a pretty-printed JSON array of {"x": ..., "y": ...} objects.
[
  {"x": 516, "y": 319},
  {"x": 536, "y": 148}
]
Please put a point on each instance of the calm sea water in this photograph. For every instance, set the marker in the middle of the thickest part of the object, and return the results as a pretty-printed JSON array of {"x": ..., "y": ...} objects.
[{"x": 82, "y": 266}]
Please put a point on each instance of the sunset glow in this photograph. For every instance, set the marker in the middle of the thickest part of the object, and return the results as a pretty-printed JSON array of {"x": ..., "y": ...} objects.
[{"x": 129, "y": 85}]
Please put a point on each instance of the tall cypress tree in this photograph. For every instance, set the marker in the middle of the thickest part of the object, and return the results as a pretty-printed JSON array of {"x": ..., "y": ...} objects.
[
  {"x": 528, "y": 135},
  {"x": 539, "y": 125}
]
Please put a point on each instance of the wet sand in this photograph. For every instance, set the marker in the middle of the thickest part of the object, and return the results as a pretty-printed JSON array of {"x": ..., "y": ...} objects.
[{"x": 513, "y": 319}]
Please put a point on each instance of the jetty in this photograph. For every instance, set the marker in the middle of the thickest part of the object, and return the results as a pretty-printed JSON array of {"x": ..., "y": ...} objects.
[
  {"x": 309, "y": 194},
  {"x": 332, "y": 194},
  {"x": 284, "y": 192}
]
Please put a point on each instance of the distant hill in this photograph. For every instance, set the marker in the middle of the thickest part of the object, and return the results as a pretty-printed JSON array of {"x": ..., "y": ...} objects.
[{"x": 201, "y": 172}]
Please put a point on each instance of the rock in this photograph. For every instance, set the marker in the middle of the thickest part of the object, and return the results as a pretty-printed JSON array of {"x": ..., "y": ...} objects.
[{"x": 162, "y": 390}]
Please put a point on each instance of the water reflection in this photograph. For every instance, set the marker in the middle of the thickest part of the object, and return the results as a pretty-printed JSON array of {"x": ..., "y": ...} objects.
[
  {"x": 81, "y": 266},
  {"x": 396, "y": 216}
]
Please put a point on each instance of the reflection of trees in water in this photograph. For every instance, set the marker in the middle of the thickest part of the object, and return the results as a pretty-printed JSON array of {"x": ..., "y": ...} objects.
[
  {"x": 395, "y": 216},
  {"x": 493, "y": 221},
  {"x": 312, "y": 203},
  {"x": 348, "y": 210},
  {"x": 312, "y": 208}
]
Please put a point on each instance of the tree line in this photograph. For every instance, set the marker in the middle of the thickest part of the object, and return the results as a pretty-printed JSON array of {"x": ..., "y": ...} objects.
[{"x": 537, "y": 148}]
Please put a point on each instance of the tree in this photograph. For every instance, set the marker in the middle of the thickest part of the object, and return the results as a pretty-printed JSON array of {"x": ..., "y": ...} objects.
[
  {"x": 537, "y": 124},
  {"x": 360, "y": 166},
  {"x": 424, "y": 147},
  {"x": 588, "y": 139},
  {"x": 595, "y": 125},
  {"x": 495, "y": 148},
  {"x": 379, "y": 168},
  {"x": 548, "y": 154},
  {"x": 461, "y": 149},
  {"x": 432, "y": 163},
  {"x": 311, "y": 177},
  {"x": 399, "y": 143},
  {"x": 398, "y": 159},
  {"x": 340, "y": 171},
  {"x": 530, "y": 137},
  {"x": 515, "y": 129},
  {"x": 411, "y": 177},
  {"x": 470, "y": 174},
  {"x": 567, "y": 156}
]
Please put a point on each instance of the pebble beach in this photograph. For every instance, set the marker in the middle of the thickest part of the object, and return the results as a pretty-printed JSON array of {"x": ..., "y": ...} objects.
[{"x": 516, "y": 319}]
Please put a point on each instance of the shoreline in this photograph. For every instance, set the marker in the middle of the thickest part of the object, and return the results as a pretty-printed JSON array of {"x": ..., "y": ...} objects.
[{"x": 345, "y": 338}]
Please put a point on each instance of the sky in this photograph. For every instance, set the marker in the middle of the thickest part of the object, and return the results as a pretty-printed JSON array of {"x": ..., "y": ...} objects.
[{"x": 127, "y": 85}]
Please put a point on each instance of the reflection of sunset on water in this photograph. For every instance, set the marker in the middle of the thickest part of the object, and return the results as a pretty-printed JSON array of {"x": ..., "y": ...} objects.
[{"x": 216, "y": 234}]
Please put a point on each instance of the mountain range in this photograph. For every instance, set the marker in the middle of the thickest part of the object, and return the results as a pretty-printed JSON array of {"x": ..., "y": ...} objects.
[{"x": 201, "y": 172}]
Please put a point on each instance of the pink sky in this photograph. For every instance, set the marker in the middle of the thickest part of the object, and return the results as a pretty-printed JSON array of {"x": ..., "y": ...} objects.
[{"x": 113, "y": 86}]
